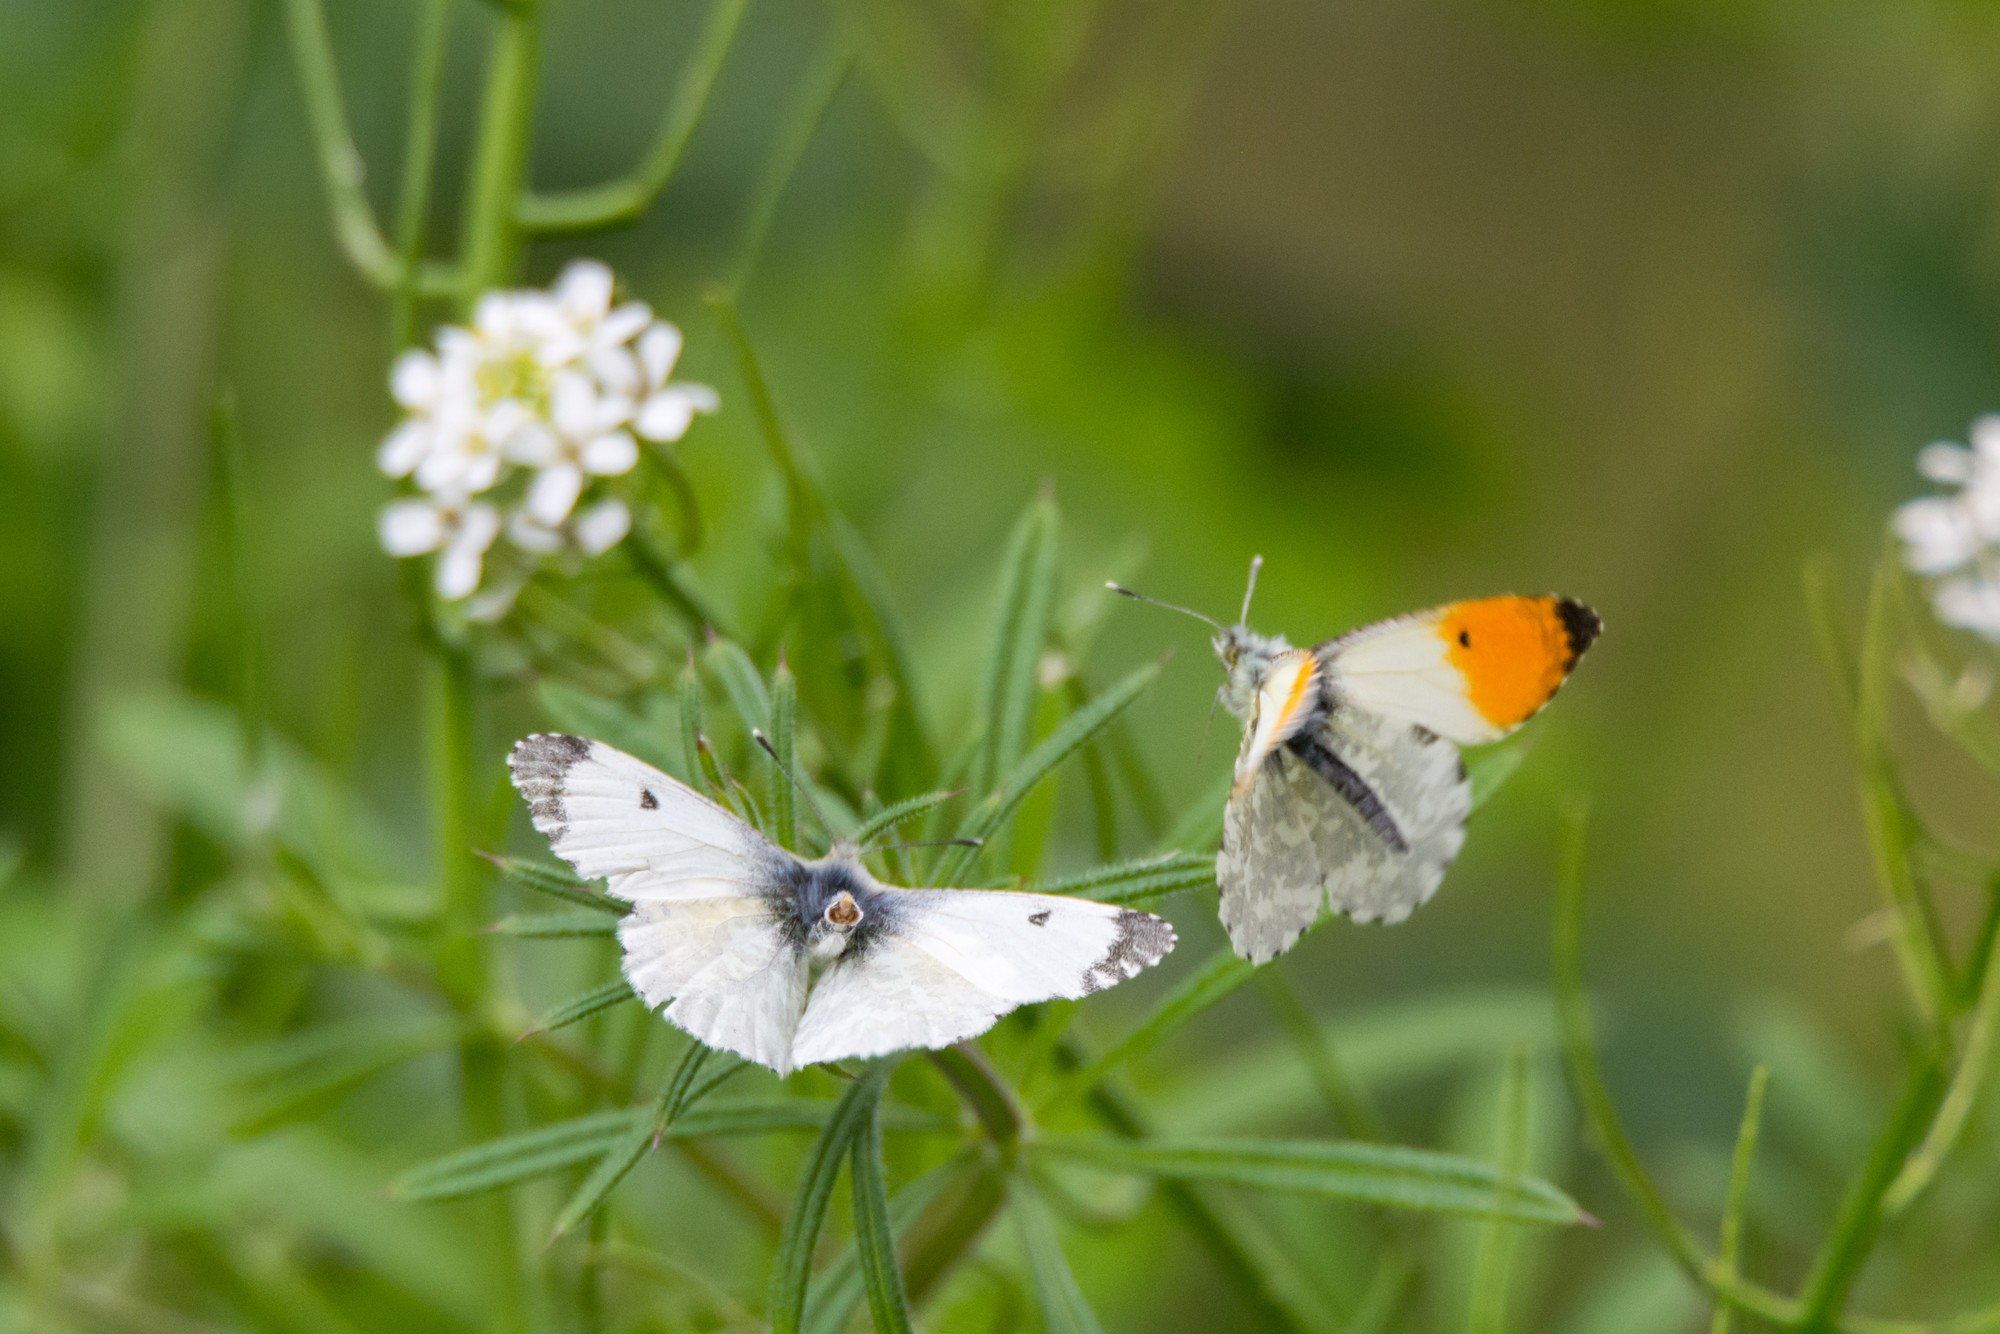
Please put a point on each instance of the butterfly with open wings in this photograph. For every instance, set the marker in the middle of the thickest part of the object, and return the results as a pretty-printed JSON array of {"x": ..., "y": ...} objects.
[
  {"x": 1349, "y": 788},
  {"x": 790, "y": 962}
]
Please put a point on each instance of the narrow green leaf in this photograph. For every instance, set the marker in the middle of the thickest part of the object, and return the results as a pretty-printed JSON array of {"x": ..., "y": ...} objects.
[
  {"x": 533, "y": 1153},
  {"x": 557, "y": 882},
  {"x": 840, "y": 1288},
  {"x": 1730, "y": 1246},
  {"x": 793, "y": 1268},
  {"x": 875, "y": 1236},
  {"x": 884, "y": 625},
  {"x": 1064, "y": 1310},
  {"x": 909, "y": 809},
  {"x": 1076, "y": 731},
  {"x": 1380, "y": 1174},
  {"x": 1146, "y": 880},
  {"x": 1021, "y": 631},
  {"x": 516, "y": 1158},
  {"x": 784, "y": 741},
  {"x": 1220, "y": 975},
  {"x": 1961, "y": 1097},
  {"x": 742, "y": 683},
  {"x": 582, "y": 1007},
  {"x": 555, "y": 925},
  {"x": 1493, "y": 1263},
  {"x": 626, "y": 1153}
]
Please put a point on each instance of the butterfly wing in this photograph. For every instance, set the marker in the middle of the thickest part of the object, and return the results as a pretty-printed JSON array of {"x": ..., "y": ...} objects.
[
  {"x": 1469, "y": 671},
  {"x": 947, "y": 963},
  {"x": 1363, "y": 810},
  {"x": 707, "y": 937}
]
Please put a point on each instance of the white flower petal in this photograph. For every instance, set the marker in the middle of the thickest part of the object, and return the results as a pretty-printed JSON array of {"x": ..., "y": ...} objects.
[
  {"x": 527, "y": 532},
  {"x": 1938, "y": 534},
  {"x": 533, "y": 445},
  {"x": 482, "y": 471},
  {"x": 410, "y": 528},
  {"x": 573, "y": 405},
  {"x": 1970, "y": 604},
  {"x": 602, "y": 527},
  {"x": 659, "y": 349},
  {"x": 668, "y": 413},
  {"x": 1946, "y": 464},
  {"x": 441, "y": 469},
  {"x": 415, "y": 380},
  {"x": 404, "y": 448},
  {"x": 494, "y": 603},
  {"x": 1985, "y": 435},
  {"x": 617, "y": 370},
  {"x": 583, "y": 290},
  {"x": 624, "y": 323},
  {"x": 553, "y": 493},
  {"x": 610, "y": 454}
]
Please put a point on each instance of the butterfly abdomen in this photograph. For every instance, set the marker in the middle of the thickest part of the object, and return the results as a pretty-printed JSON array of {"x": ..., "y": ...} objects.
[{"x": 1514, "y": 652}]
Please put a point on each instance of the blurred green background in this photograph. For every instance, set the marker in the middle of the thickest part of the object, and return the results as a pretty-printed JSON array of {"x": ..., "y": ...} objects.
[{"x": 1644, "y": 303}]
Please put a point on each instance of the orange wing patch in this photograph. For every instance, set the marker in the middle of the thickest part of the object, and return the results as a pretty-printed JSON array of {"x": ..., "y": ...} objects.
[{"x": 1514, "y": 652}]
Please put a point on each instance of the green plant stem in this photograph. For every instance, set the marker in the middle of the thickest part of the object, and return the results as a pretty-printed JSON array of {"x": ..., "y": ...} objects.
[
  {"x": 342, "y": 171},
  {"x": 625, "y": 199},
  {"x": 1860, "y": 1216},
  {"x": 419, "y": 154},
  {"x": 1975, "y": 1060},
  {"x": 491, "y": 248},
  {"x": 1730, "y": 1244},
  {"x": 964, "y": 1067},
  {"x": 809, "y": 107}
]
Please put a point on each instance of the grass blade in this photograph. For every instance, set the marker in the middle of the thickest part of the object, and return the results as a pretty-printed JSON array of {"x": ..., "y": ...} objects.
[
  {"x": 1493, "y": 1263},
  {"x": 1380, "y": 1174},
  {"x": 558, "y": 883},
  {"x": 625, "y": 1154},
  {"x": 589, "y": 1003},
  {"x": 516, "y": 1158},
  {"x": 1076, "y": 731},
  {"x": 1021, "y": 630},
  {"x": 1145, "y": 880},
  {"x": 840, "y": 1288},
  {"x": 1488, "y": 769},
  {"x": 1729, "y": 1247},
  {"x": 890, "y": 816},
  {"x": 1206, "y": 985},
  {"x": 555, "y": 925},
  {"x": 1064, "y": 1310},
  {"x": 784, "y": 741},
  {"x": 298, "y": 1075},
  {"x": 874, "y": 1236},
  {"x": 742, "y": 683},
  {"x": 793, "y": 1268}
]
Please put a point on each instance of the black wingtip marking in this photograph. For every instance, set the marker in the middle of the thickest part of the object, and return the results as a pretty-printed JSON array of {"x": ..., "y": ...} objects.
[
  {"x": 540, "y": 765},
  {"x": 1142, "y": 940},
  {"x": 1581, "y": 626}
]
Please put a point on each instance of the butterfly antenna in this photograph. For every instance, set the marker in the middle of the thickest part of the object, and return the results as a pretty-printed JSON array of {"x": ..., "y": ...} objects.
[
  {"x": 804, "y": 791},
  {"x": 1256, "y": 564},
  {"x": 1141, "y": 597}
]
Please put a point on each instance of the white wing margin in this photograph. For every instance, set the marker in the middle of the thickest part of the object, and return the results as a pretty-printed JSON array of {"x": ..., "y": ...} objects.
[
  {"x": 648, "y": 836},
  {"x": 950, "y": 962}
]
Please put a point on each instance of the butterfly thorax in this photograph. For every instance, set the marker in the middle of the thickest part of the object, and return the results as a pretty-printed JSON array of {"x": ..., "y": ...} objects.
[
  {"x": 1246, "y": 656},
  {"x": 831, "y": 906}
]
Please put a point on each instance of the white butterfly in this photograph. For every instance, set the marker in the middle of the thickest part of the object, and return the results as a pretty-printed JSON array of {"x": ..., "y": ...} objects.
[
  {"x": 789, "y": 962},
  {"x": 1349, "y": 787}
]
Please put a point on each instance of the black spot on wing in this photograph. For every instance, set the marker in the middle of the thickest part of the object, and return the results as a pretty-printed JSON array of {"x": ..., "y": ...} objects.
[
  {"x": 1039, "y": 918},
  {"x": 1581, "y": 626},
  {"x": 647, "y": 801},
  {"x": 1142, "y": 940},
  {"x": 540, "y": 765},
  {"x": 1352, "y": 787}
]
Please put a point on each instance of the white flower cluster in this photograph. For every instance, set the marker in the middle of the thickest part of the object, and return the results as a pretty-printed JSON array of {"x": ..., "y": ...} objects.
[
  {"x": 1955, "y": 538},
  {"x": 555, "y": 384}
]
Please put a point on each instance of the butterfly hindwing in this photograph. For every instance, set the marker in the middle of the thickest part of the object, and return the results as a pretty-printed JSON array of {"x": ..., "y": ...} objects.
[
  {"x": 1362, "y": 813},
  {"x": 724, "y": 971}
]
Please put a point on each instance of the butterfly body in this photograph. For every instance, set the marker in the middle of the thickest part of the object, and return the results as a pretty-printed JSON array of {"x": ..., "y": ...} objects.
[{"x": 790, "y": 961}]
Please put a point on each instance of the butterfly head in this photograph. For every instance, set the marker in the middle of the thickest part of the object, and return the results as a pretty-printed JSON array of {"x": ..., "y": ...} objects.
[{"x": 835, "y": 903}]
